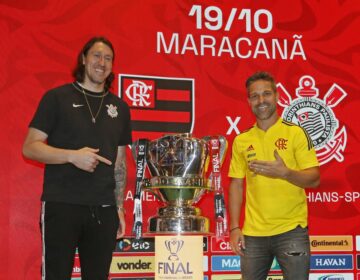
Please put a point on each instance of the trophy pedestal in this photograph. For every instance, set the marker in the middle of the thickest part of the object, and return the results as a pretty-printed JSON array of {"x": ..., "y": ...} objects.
[{"x": 179, "y": 220}]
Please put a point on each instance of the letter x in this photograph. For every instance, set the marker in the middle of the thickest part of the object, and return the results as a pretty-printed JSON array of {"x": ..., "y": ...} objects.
[{"x": 233, "y": 125}]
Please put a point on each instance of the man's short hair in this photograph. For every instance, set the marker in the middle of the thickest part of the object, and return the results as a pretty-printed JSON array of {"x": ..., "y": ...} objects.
[{"x": 261, "y": 75}]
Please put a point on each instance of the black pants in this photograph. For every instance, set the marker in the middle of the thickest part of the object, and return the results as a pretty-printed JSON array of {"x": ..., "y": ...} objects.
[{"x": 91, "y": 229}]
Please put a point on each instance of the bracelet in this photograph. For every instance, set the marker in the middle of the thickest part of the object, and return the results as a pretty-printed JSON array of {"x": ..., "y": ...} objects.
[{"x": 231, "y": 230}]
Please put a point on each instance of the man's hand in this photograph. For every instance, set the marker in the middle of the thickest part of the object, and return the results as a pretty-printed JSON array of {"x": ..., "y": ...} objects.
[
  {"x": 275, "y": 168},
  {"x": 87, "y": 159},
  {"x": 237, "y": 241}
]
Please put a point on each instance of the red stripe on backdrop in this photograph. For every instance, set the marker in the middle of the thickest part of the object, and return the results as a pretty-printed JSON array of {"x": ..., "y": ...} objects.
[
  {"x": 160, "y": 116},
  {"x": 151, "y": 135},
  {"x": 173, "y": 95}
]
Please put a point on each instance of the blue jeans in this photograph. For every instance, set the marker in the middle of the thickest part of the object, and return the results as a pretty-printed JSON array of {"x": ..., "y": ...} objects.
[{"x": 291, "y": 249}]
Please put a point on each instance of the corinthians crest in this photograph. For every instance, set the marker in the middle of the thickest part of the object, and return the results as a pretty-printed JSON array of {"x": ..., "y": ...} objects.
[{"x": 316, "y": 116}]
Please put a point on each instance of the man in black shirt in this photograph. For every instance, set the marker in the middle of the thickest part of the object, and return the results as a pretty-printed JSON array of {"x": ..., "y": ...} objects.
[{"x": 80, "y": 131}]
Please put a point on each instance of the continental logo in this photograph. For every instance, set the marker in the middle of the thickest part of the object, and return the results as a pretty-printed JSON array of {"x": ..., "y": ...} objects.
[
  {"x": 144, "y": 264},
  {"x": 331, "y": 243}
]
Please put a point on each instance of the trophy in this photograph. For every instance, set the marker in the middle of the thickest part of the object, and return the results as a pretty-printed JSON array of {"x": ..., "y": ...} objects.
[{"x": 177, "y": 165}]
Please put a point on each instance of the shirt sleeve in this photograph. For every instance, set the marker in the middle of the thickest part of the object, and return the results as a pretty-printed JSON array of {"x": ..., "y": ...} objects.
[
  {"x": 45, "y": 116},
  {"x": 304, "y": 152},
  {"x": 126, "y": 138},
  {"x": 238, "y": 164}
]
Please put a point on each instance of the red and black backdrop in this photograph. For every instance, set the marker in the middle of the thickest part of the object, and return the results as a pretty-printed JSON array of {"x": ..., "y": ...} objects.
[{"x": 181, "y": 66}]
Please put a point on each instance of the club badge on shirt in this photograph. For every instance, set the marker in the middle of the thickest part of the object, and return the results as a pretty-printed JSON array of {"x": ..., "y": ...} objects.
[{"x": 112, "y": 111}]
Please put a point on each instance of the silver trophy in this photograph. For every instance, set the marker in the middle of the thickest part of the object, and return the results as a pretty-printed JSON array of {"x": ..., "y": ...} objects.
[{"x": 177, "y": 167}]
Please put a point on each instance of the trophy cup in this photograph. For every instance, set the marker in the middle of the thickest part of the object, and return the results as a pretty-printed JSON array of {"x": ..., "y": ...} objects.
[{"x": 177, "y": 164}]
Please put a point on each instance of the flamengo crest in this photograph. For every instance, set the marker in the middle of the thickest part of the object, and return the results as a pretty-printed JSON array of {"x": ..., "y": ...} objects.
[{"x": 316, "y": 117}]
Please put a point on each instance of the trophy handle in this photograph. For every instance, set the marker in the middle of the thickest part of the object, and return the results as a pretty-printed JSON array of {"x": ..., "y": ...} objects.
[
  {"x": 134, "y": 146},
  {"x": 223, "y": 147},
  {"x": 222, "y": 153}
]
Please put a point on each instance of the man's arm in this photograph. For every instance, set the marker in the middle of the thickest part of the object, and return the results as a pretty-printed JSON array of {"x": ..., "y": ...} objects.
[
  {"x": 120, "y": 184},
  {"x": 237, "y": 241},
  {"x": 309, "y": 177},
  {"x": 36, "y": 148}
]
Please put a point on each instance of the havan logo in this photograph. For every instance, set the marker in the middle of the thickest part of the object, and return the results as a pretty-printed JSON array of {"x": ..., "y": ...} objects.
[
  {"x": 316, "y": 116},
  {"x": 335, "y": 262}
]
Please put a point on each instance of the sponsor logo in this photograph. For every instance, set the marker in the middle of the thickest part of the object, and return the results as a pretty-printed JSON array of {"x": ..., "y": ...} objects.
[
  {"x": 225, "y": 263},
  {"x": 131, "y": 245},
  {"x": 334, "y": 262},
  {"x": 358, "y": 261},
  {"x": 331, "y": 243},
  {"x": 220, "y": 245},
  {"x": 250, "y": 148},
  {"x": 132, "y": 264},
  {"x": 274, "y": 277},
  {"x": 357, "y": 242},
  {"x": 232, "y": 263},
  {"x": 316, "y": 116},
  {"x": 158, "y": 105},
  {"x": 77, "y": 105},
  {"x": 281, "y": 144},
  {"x": 331, "y": 276}
]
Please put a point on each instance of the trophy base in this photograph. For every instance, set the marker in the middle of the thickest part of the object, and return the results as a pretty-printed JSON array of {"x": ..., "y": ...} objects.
[{"x": 179, "y": 220}]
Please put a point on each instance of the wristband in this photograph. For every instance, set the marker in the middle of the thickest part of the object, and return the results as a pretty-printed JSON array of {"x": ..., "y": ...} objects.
[{"x": 231, "y": 230}]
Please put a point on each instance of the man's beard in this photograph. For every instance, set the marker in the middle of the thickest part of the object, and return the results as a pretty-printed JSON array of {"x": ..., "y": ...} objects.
[{"x": 271, "y": 109}]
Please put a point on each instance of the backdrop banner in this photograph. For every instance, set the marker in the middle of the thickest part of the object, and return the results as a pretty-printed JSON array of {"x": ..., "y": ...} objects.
[{"x": 181, "y": 66}]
